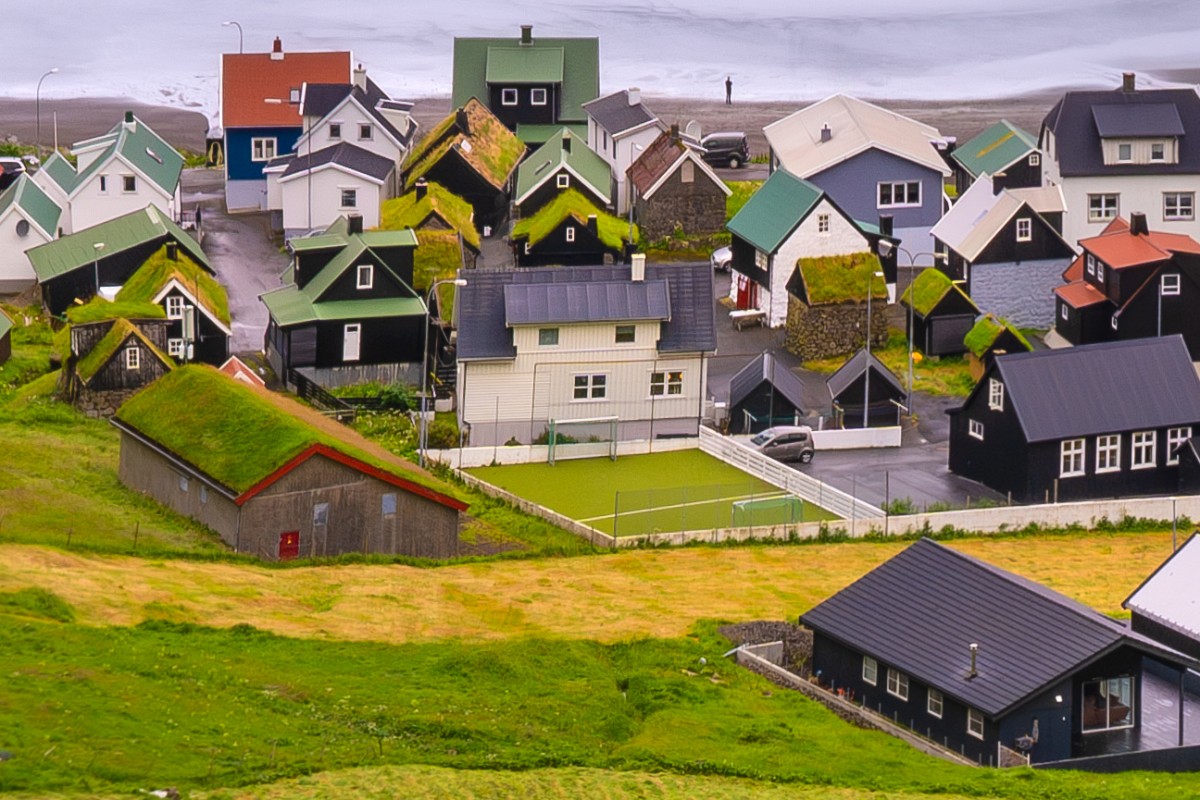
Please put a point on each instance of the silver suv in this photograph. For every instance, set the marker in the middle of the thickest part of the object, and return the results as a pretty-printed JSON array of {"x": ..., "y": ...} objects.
[{"x": 785, "y": 443}]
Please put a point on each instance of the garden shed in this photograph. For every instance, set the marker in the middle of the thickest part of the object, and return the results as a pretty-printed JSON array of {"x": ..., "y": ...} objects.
[
  {"x": 864, "y": 376},
  {"x": 989, "y": 337},
  {"x": 941, "y": 313},
  {"x": 764, "y": 393}
]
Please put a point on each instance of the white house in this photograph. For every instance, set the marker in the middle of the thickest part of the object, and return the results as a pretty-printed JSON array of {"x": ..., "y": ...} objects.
[
  {"x": 120, "y": 172},
  {"x": 584, "y": 343},
  {"x": 314, "y": 190},
  {"x": 620, "y": 128},
  {"x": 28, "y": 218},
  {"x": 1125, "y": 151}
]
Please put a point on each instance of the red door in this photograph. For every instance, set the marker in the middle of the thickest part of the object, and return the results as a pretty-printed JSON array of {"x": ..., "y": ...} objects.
[
  {"x": 743, "y": 292},
  {"x": 289, "y": 545}
]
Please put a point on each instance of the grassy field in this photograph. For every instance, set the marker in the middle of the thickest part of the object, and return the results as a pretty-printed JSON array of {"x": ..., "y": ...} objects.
[
  {"x": 673, "y": 491},
  {"x": 948, "y": 376}
]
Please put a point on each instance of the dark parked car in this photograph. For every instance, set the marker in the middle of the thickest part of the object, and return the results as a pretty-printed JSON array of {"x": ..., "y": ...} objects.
[
  {"x": 10, "y": 170},
  {"x": 726, "y": 149},
  {"x": 785, "y": 443}
]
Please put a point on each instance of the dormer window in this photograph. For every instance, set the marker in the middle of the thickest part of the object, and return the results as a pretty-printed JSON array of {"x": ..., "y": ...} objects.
[
  {"x": 366, "y": 276},
  {"x": 1125, "y": 151},
  {"x": 1158, "y": 151}
]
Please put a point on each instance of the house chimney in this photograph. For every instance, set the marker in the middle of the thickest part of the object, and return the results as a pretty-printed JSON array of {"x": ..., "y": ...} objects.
[
  {"x": 674, "y": 131},
  {"x": 637, "y": 269},
  {"x": 1128, "y": 82},
  {"x": 129, "y": 121},
  {"x": 526, "y": 35},
  {"x": 360, "y": 77},
  {"x": 974, "y": 653},
  {"x": 422, "y": 188},
  {"x": 635, "y": 95},
  {"x": 949, "y": 144},
  {"x": 463, "y": 123},
  {"x": 1137, "y": 224},
  {"x": 885, "y": 224},
  {"x": 566, "y": 141},
  {"x": 173, "y": 251},
  {"x": 998, "y": 183},
  {"x": 277, "y": 50},
  {"x": 593, "y": 225},
  {"x": 826, "y": 133},
  {"x": 355, "y": 221}
]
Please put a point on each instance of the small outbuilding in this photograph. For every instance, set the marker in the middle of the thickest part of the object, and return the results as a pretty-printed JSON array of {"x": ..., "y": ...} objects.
[
  {"x": 864, "y": 376},
  {"x": 115, "y": 350},
  {"x": 989, "y": 337},
  {"x": 764, "y": 393},
  {"x": 941, "y": 313},
  {"x": 674, "y": 190}
]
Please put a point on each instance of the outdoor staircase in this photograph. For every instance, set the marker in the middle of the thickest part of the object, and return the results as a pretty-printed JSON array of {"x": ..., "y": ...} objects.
[{"x": 445, "y": 379}]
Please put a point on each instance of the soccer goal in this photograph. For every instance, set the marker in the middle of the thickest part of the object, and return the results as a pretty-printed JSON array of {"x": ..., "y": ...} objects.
[{"x": 589, "y": 437}]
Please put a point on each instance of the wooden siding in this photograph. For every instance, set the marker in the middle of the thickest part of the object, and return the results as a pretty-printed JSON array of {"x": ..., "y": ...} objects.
[{"x": 556, "y": 250}]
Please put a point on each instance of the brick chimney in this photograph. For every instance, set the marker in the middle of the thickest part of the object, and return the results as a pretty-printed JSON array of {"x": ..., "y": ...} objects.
[
  {"x": 998, "y": 183},
  {"x": 1137, "y": 224},
  {"x": 1129, "y": 82},
  {"x": 422, "y": 188},
  {"x": 173, "y": 251},
  {"x": 526, "y": 35},
  {"x": 277, "y": 50},
  {"x": 675, "y": 132},
  {"x": 130, "y": 123},
  {"x": 566, "y": 142},
  {"x": 356, "y": 223}
]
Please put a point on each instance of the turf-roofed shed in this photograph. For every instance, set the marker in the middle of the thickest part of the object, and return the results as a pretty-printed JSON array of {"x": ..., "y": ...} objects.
[
  {"x": 827, "y": 305},
  {"x": 989, "y": 337},
  {"x": 274, "y": 478},
  {"x": 110, "y": 351},
  {"x": 941, "y": 313},
  {"x": 570, "y": 231}
]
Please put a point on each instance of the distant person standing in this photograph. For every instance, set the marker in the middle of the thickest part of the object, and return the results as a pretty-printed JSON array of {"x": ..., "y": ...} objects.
[{"x": 728, "y": 90}]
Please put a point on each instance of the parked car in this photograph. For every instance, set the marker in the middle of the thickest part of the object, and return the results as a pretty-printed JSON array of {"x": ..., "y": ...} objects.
[
  {"x": 786, "y": 443},
  {"x": 10, "y": 170},
  {"x": 720, "y": 258},
  {"x": 728, "y": 149}
]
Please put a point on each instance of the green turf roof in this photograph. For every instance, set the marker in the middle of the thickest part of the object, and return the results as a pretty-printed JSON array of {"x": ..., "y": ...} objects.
[
  {"x": 517, "y": 65},
  {"x": 985, "y": 333},
  {"x": 491, "y": 149},
  {"x": 6, "y": 324},
  {"x": 547, "y": 160},
  {"x": 407, "y": 211},
  {"x": 841, "y": 279},
  {"x": 998, "y": 146},
  {"x": 580, "y": 59},
  {"x": 108, "y": 346},
  {"x": 157, "y": 272},
  {"x": 774, "y": 211},
  {"x": 26, "y": 195},
  {"x": 928, "y": 289},
  {"x": 231, "y": 432},
  {"x": 123, "y": 233},
  {"x": 613, "y": 230},
  {"x": 98, "y": 309},
  {"x": 140, "y": 146}
]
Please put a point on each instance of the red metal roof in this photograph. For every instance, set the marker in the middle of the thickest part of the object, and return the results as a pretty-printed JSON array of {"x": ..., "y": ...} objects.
[
  {"x": 1075, "y": 271},
  {"x": 1079, "y": 294},
  {"x": 654, "y": 163},
  {"x": 1118, "y": 248},
  {"x": 251, "y": 82}
]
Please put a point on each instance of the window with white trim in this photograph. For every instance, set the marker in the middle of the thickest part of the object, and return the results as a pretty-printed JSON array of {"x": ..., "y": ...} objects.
[
  {"x": 1091, "y": 264},
  {"x": 1071, "y": 453},
  {"x": 975, "y": 429},
  {"x": 293, "y": 95},
  {"x": 870, "y": 671},
  {"x": 570, "y": 233},
  {"x": 1115, "y": 321},
  {"x": 1179, "y": 206},
  {"x": 822, "y": 223},
  {"x": 975, "y": 723},
  {"x": 1024, "y": 229},
  {"x": 897, "y": 684},
  {"x": 366, "y": 132},
  {"x": 1124, "y": 151},
  {"x": 626, "y": 334},
  {"x": 590, "y": 387},
  {"x": 1158, "y": 151},
  {"x": 1170, "y": 284},
  {"x": 263, "y": 148},
  {"x": 129, "y": 184},
  {"x": 1108, "y": 453},
  {"x": 1063, "y": 310},
  {"x": 366, "y": 276},
  {"x": 1035, "y": 159},
  {"x": 666, "y": 383},
  {"x": 934, "y": 703},
  {"x": 762, "y": 260},
  {"x": 508, "y": 97},
  {"x": 1100, "y": 271},
  {"x": 175, "y": 348},
  {"x": 995, "y": 395},
  {"x": 174, "y": 307},
  {"x": 1102, "y": 207},
  {"x": 901, "y": 193},
  {"x": 1108, "y": 704},
  {"x": 1143, "y": 449},
  {"x": 562, "y": 180},
  {"x": 547, "y": 337},
  {"x": 335, "y": 130},
  {"x": 537, "y": 97},
  {"x": 133, "y": 358},
  {"x": 349, "y": 198},
  {"x": 1175, "y": 438}
]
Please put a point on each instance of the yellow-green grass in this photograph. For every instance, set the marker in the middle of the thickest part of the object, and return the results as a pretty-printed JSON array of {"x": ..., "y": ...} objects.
[
  {"x": 841, "y": 278},
  {"x": 948, "y": 376},
  {"x": 612, "y": 231},
  {"x": 741, "y": 191},
  {"x": 608, "y": 598},
  {"x": 31, "y": 348},
  {"x": 695, "y": 490},
  {"x": 98, "y": 309},
  {"x": 157, "y": 272}
]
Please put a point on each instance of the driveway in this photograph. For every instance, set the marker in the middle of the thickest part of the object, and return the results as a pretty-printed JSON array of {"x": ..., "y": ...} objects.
[{"x": 247, "y": 260}]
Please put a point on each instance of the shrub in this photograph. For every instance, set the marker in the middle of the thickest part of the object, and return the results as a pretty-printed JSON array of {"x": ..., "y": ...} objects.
[{"x": 443, "y": 434}]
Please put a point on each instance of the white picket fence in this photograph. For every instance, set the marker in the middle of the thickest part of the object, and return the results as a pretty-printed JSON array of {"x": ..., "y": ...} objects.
[{"x": 786, "y": 478}]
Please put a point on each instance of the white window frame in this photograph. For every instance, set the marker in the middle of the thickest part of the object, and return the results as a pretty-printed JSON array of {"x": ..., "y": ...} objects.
[
  {"x": 1063, "y": 312},
  {"x": 822, "y": 223},
  {"x": 589, "y": 387},
  {"x": 509, "y": 97},
  {"x": 935, "y": 704},
  {"x": 897, "y": 684},
  {"x": 1099, "y": 271},
  {"x": 335, "y": 130},
  {"x": 762, "y": 260},
  {"x": 1124, "y": 152},
  {"x": 1072, "y": 458},
  {"x": 630, "y": 334},
  {"x": 1176, "y": 437},
  {"x": 129, "y": 184},
  {"x": 348, "y": 192},
  {"x": 995, "y": 394},
  {"x": 1025, "y": 229},
  {"x": 1091, "y": 264},
  {"x": 1115, "y": 322},
  {"x": 293, "y": 95},
  {"x": 1143, "y": 450},
  {"x": 1158, "y": 151},
  {"x": 175, "y": 348},
  {"x": 870, "y": 671},
  {"x": 975, "y": 723},
  {"x": 547, "y": 337},
  {"x": 975, "y": 429},
  {"x": 263, "y": 148},
  {"x": 1035, "y": 159},
  {"x": 570, "y": 233},
  {"x": 1169, "y": 284},
  {"x": 534, "y": 96},
  {"x": 365, "y": 276},
  {"x": 562, "y": 180},
  {"x": 346, "y": 329},
  {"x": 905, "y": 187},
  {"x": 666, "y": 383},
  {"x": 1179, "y": 206},
  {"x": 133, "y": 357},
  {"x": 1101, "y": 211},
  {"x": 1108, "y": 453},
  {"x": 366, "y": 132},
  {"x": 174, "y": 307}
]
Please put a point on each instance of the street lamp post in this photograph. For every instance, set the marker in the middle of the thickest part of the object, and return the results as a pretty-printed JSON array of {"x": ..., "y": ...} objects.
[
  {"x": 99, "y": 248},
  {"x": 885, "y": 249},
  {"x": 867, "y": 369},
  {"x": 423, "y": 436},
  {"x": 237, "y": 25},
  {"x": 37, "y": 104}
]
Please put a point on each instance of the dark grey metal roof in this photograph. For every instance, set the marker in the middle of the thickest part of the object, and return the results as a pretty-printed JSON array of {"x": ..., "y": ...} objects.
[
  {"x": 857, "y": 364},
  {"x": 1139, "y": 384},
  {"x": 615, "y": 114},
  {"x": 540, "y": 303},
  {"x": 346, "y": 155},
  {"x": 483, "y": 331},
  {"x": 1077, "y": 138},
  {"x": 1029, "y": 636},
  {"x": 765, "y": 367},
  {"x": 1146, "y": 119},
  {"x": 321, "y": 98}
]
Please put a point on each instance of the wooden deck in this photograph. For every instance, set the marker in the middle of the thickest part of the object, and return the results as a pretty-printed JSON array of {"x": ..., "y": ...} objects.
[{"x": 1159, "y": 725}]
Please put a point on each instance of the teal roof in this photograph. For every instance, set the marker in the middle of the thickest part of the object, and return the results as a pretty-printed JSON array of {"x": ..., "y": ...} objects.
[
  {"x": 478, "y": 60},
  {"x": 774, "y": 211},
  {"x": 5, "y": 324},
  {"x": 139, "y": 146},
  {"x": 534, "y": 135},
  {"x": 994, "y": 149},
  {"x": 581, "y": 160},
  {"x": 130, "y": 230},
  {"x": 26, "y": 195},
  {"x": 60, "y": 171}
]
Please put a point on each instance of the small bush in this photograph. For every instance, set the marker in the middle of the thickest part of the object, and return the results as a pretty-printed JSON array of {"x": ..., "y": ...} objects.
[
  {"x": 37, "y": 603},
  {"x": 443, "y": 434}
]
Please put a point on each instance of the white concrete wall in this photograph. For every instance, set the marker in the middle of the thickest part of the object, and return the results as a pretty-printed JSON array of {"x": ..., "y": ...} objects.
[
  {"x": 627, "y": 153},
  {"x": 327, "y": 185},
  {"x": 1142, "y": 193},
  {"x": 856, "y": 438},
  {"x": 469, "y": 457}
]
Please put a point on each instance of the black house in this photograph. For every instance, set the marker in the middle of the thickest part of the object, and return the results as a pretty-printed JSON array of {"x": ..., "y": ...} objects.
[
  {"x": 988, "y": 662},
  {"x": 941, "y": 313},
  {"x": 764, "y": 393},
  {"x": 1164, "y": 606},
  {"x": 1079, "y": 423},
  {"x": 882, "y": 390},
  {"x": 570, "y": 231}
]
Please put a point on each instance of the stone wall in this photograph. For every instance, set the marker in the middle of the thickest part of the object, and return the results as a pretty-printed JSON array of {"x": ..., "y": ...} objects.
[
  {"x": 102, "y": 404},
  {"x": 828, "y": 331},
  {"x": 698, "y": 208}
]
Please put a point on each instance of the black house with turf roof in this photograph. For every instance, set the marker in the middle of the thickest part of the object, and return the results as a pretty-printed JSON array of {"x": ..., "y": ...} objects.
[
  {"x": 348, "y": 312},
  {"x": 570, "y": 231},
  {"x": 1080, "y": 423},
  {"x": 941, "y": 313},
  {"x": 445, "y": 225},
  {"x": 991, "y": 664},
  {"x": 989, "y": 337},
  {"x": 764, "y": 393},
  {"x": 883, "y": 392}
]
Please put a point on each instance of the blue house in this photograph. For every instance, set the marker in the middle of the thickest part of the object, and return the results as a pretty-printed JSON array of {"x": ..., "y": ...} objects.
[{"x": 261, "y": 97}]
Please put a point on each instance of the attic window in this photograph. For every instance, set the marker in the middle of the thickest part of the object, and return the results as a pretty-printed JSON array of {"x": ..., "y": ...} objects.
[
  {"x": 174, "y": 307},
  {"x": 1170, "y": 284},
  {"x": 563, "y": 181},
  {"x": 570, "y": 233},
  {"x": 1024, "y": 229},
  {"x": 366, "y": 276},
  {"x": 1125, "y": 152},
  {"x": 365, "y": 132},
  {"x": 1158, "y": 151},
  {"x": 822, "y": 223},
  {"x": 133, "y": 358},
  {"x": 335, "y": 130},
  {"x": 1035, "y": 159},
  {"x": 157, "y": 158},
  {"x": 129, "y": 184},
  {"x": 508, "y": 97}
]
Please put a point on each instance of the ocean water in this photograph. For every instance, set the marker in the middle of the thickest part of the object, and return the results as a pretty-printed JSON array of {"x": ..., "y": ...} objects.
[{"x": 772, "y": 49}]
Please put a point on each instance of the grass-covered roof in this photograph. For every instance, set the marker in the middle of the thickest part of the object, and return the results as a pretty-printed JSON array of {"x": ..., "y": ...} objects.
[
  {"x": 841, "y": 279},
  {"x": 407, "y": 211},
  {"x": 238, "y": 434},
  {"x": 159, "y": 269},
  {"x": 488, "y": 146},
  {"x": 571, "y": 203},
  {"x": 98, "y": 309},
  {"x": 107, "y": 347},
  {"x": 928, "y": 289},
  {"x": 985, "y": 333}
]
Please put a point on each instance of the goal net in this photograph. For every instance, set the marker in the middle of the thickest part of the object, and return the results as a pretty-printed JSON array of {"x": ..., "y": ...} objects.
[{"x": 589, "y": 437}]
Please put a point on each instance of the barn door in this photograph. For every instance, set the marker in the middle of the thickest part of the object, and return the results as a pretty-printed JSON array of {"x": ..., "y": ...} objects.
[
  {"x": 350, "y": 342},
  {"x": 289, "y": 545}
]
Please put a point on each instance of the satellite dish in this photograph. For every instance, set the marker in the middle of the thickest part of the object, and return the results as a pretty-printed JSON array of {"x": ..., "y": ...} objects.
[
  {"x": 692, "y": 129},
  {"x": 22, "y": 227}
]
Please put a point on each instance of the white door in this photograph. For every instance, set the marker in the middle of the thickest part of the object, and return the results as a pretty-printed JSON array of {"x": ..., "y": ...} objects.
[{"x": 350, "y": 342}]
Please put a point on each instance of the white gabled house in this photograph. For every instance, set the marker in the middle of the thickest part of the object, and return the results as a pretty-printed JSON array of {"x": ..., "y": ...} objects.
[
  {"x": 28, "y": 218},
  {"x": 620, "y": 129},
  {"x": 310, "y": 192}
]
